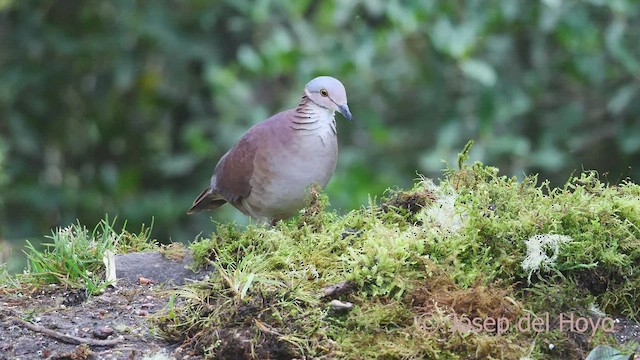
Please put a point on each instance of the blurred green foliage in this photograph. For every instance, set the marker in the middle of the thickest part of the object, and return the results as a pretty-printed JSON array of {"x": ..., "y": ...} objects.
[{"x": 125, "y": 106}]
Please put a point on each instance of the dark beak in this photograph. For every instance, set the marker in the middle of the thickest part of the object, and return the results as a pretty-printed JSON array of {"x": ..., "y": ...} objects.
[{"x": 344, "y": 110}]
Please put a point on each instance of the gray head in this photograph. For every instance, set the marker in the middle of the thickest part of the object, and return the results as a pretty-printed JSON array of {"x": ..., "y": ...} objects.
[{"x": 329, "y": 93}]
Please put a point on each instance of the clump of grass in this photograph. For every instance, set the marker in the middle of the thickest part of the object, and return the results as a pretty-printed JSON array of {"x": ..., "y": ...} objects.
[
  {"x": 74, "y": 257},
  {"x": 129, "y": 242}
]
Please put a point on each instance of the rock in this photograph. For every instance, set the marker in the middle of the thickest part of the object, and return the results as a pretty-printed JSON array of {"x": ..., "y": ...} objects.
[
  {"x": 154, "y": 267},
  {"x": 102, "y": 332}
]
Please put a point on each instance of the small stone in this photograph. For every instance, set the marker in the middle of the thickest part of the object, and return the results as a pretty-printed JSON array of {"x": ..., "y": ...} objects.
[
  {"x": 102, "y": 332},
  {"x": 340, "y": 307},
  {"x": 145, "y": 281}
]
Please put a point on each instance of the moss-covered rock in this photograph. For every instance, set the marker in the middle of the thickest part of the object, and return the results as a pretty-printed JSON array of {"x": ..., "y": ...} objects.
[{"x": 426, "y": 264}]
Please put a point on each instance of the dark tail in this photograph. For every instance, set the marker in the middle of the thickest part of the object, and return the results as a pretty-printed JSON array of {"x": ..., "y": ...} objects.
[{"x": 207, "y": 200}]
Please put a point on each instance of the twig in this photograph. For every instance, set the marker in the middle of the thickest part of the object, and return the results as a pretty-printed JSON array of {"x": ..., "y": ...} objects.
[{"x": 65, "y": 338}]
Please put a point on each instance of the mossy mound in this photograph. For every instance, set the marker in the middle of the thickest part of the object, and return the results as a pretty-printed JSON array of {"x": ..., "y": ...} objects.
[{"x": 436, "y": 271}]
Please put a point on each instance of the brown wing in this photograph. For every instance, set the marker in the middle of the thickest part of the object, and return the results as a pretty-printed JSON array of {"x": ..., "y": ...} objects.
[
  {"x": 230, "y": 180},
  {"x": 232, "y": 175}
]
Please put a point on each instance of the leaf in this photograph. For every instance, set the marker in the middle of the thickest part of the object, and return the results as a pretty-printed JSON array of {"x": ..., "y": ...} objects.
[
  {"x": 614, "y": 40},
  {"x": 621, "y": 99},
  {"x": 248, "y": 57},
  {"x": 606, "y": 352},
  {"x": 247, "y": 285},
  {"x": 479, "y": 71}
]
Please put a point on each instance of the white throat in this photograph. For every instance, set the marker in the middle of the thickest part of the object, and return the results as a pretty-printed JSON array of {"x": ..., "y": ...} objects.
[{"x": 315, "y": 119}]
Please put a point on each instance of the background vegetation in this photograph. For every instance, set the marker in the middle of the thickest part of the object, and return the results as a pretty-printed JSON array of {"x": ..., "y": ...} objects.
[{"x": 123, "y": 107}]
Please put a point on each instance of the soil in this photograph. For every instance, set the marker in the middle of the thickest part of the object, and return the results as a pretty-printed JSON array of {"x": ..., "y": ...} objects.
[
  {"x": 117, "y": 312},
  {"x": 116, "y": 324}
]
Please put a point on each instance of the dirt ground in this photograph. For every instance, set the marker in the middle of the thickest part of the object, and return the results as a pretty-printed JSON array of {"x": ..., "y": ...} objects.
[
  {"x": 116, "y": 314},
  {"x": 115, "y": 324}
]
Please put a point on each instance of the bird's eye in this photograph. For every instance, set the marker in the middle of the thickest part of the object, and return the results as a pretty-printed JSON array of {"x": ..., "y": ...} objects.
[{"x": 324, "y": 92}]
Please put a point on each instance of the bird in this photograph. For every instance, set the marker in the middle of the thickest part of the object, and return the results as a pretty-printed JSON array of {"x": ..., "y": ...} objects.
[{"x": 268, "y": 172}]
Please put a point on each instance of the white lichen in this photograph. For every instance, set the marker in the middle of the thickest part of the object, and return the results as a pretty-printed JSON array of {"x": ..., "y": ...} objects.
[
  {"x": 595, "y": 310},
  {"x": 538, "y": 249},
  {"x": 443, "y": 212}
]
